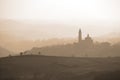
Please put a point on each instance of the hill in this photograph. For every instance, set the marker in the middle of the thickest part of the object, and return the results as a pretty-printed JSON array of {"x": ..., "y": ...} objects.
[
  {"x": 18, "y": 35},
  {"x": 34, "y": 67},
  {"x": 103, "y": 49}
]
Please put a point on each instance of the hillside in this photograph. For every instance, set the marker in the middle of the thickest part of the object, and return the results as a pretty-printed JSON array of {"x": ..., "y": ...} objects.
[
  {"x": 34, "y": 67},
  {"x": 104, "y": 49}
]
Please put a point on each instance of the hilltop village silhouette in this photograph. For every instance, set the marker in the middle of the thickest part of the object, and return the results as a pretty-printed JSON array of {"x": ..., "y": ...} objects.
[
  {"x": 88, "y": 41},
  {"x": 83, "y": 48}
]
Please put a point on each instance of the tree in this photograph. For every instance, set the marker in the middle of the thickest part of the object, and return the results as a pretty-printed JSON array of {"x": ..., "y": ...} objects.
[
  {"x": 9, "y": 55},
  {"x": 39, "y": 53},
  {"x": 21, "y": 53}
]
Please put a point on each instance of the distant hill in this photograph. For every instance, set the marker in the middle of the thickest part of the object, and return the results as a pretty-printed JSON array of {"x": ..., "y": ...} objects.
[
  {"x": 4, "y": 52},
  {"x": 19, "y": 42},
  {"x": 34, "y": 67},
  {"x": 103, "y": 49}
]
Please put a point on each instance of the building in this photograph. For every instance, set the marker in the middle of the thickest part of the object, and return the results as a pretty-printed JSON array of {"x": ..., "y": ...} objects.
[{"x": 87, "y": 41}]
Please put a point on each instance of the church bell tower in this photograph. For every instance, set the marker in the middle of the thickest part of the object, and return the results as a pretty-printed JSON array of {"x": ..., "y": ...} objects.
[{"x": 79, "y": 36}]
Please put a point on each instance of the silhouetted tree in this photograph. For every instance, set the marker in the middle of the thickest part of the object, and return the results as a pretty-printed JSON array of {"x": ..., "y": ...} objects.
[
  {"x": 21, "y": 53},
  {"x": 25, "y": 52},
  {"x": 9, "y": 55},
  {"x": 39, "y": 53}
]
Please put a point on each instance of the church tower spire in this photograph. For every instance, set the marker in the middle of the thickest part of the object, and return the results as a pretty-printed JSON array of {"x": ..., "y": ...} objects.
[{"x": 79, "y": 36}]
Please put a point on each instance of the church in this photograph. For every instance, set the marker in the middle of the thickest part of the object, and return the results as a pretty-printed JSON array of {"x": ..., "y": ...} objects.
[{"x": 87, "y": 41}]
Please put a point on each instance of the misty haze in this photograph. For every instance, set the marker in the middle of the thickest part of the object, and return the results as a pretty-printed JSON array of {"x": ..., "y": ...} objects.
[{"x": 59, "y": 40}]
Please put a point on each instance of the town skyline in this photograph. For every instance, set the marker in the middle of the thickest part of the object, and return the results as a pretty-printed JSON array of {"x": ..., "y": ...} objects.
[{"x": 22, "y": 44}]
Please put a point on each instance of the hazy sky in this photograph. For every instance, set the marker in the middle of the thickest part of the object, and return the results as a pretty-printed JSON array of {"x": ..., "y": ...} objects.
[
  {"x": 97, "y": 17},
  {"x": 60, "y": 9}
]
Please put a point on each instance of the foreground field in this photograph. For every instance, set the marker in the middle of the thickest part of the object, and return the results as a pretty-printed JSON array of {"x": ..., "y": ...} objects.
[{"x": 31, "y": 67}]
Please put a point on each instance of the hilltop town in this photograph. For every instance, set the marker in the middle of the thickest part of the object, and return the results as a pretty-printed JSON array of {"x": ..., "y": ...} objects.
[{"x": 83, "y": 48}]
